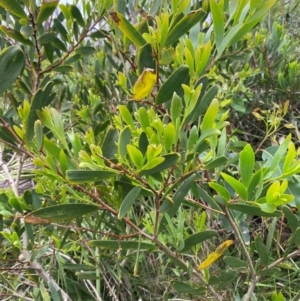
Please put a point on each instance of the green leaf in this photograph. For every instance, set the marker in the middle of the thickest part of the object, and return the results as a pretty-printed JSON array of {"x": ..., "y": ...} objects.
[
  {"x": 143, "y": 118},
  {"x": 39, "y": 134},
  {"x": 221, "y": 190},
  {"x": 186, "y": 288},
  {"x": 12, "y": 61},
  {"x": 63, "y": 162},
  {"x": 176, "y": 107},
  {"x": 261, "y": 11},
  {"x": 126, "y": 116},
  {"x": 201, "y": 141},
  {"x": 61, "y": 29},
  {"x": 85, "y": 50},
  {"x": 253, "y": 210},
  {"x": 294, "y": 241},
  {"x": 86, "y": 176},
  {"x": 210, "y": 115},
  {"x": 14, "y": 202},
  {"x": 171, "y": 207},
  {"x": 46, "y": 10},
  {"x": 173, "y": 84},
  {"x": 15, "y": 35},
  {"x": 124, "y": 139},
  {"x": 47, "y": 37},
  {"x": 269, "y": 208},
  {"x": 184, "y": 25},
  {"x": 280, "y": 152},
  {"x": 236, "y": 185},
  {"x": 247, "y": 161},
  {"x": 75, "y": 12},
  {"x": 262, "y": 250},
  {"x": 128, "y": 30},
  {"x": 208, "y": 199},
  {"x": 57, "y": 43},
  {"x": 145, "y": 58},
  {"x": 129, "y": 201},
  {"x": 153, "y": 163},
  {"x": 126, "y": 187},
  {"x": 292, "y": 219},
  {"x": 72, "y": 59},
  {"x": 217, "y": 18},
  {"x": 14, "y": 8},
  {"x": 202, "y": 57},
  {"x": 26, "y": 31},
  {"x": 169, "y": 161},
  {"x": 202, "y": 104},
  {"x": 197, "y": 238},
  {"x": 268, "y": 272},
  {"x": 109, "y": 144},
  {"x": 63, "y": 69},
  {"x": 136, "y": 156},
  {"x": 256, "y": 185},
  {"x": 169, "y": 136},
  {"x": 59, "y": 213},
  {"x": 235, "y": 262},
  {"x": 215, "y": 163},
  {"x": 119, "y": 244},
  {"x": 290, "y": 157}
]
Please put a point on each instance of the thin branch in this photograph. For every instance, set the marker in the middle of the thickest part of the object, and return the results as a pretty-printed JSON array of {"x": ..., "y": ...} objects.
[
  {"x": 73, "y": 47},
  {"x": 254, "y": 277}
]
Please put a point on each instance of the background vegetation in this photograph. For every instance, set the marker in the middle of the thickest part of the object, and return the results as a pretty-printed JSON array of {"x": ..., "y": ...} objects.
[{"x": 149, "y": 150}]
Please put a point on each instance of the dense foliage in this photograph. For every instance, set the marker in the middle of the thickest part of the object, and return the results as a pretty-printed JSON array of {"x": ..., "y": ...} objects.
[{"x": 159, "y": 137}]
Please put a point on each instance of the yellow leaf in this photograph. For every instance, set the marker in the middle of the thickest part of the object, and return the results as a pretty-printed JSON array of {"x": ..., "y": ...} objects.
[
  {"x": 222, "y": 247},
  {"x": 144, "y": 85},
  {"x": 212, "y": 257}
]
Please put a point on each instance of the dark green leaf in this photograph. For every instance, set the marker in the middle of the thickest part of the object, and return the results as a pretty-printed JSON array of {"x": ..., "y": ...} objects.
[
  {"x": 197, "y": 238},
  {"x": 128, "y": 29},
  {"x": 75, "y": 12},
  {"x": 63, "y": 69},
  {"x": 292, "y": 219},
  {"x": 61, "y": 29},
  {"x": 184, "y": 25},
  {"x": 253, "y": 210},
  {"x": 145, "y": 58},
  {"x": 14, "y": 34},
  {"x": 85, "y": 50},
  {"x": 57, "y": 43},
  {"x": 171, "y": 207},
  {"x": 173, "y": 84},
  {"x": 246, "y": 164},
  {"x": 262, "y": 250},
  {"x": 47, "y": 37},
  {"x": 14, "y": 8},
  {"x": 59, "y": 213},
  {"x": 128, "y": 201},
  {"x": 86, "y": 176},
  {"x": 12, "y": 60},
  {"x": 170, "y": 160},
  {"x": 215, "y": 163},
  {"x": 124, "y": 140},
  {"x": 203, "y": 103},
  {"x": 46, "y": 10},
  {"x": 235, "y": 262},
  {"x": 119, "y": 244},
  {"x": 268, "y": 272},
  {"x": 109, "y": 144}
]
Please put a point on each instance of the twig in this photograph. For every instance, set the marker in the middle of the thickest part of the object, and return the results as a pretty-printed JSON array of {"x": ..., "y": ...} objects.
[
  {"x": 236, "y": 231},
  {"x": 15, "y": 294}
]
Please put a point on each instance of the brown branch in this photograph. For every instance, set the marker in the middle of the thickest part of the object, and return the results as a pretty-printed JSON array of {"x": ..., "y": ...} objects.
[{"x": 73, "y": 47}]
